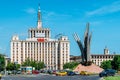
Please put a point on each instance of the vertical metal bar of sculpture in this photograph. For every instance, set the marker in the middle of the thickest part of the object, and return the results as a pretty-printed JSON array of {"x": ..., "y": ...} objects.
[{"x": 85, "y": 46}]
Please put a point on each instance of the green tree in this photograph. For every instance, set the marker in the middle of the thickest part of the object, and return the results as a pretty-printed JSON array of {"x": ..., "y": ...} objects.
[
  {"x": 70, "y": 65},
  {"x": 2, "y": 62},
  {"x": 33, "y": 64},
  {"x": 38, "y": 65},
  {"x": 106, "y": 65},
  {"x": 67, "y": 65},
  {"x": 27, "y": 62},
  {"x": 12, "y": 66},
  {"x": 116, "y": 62},
  {"x": 17, "y": 66}
]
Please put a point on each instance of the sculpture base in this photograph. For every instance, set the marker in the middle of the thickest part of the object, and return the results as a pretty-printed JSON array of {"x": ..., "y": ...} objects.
[
  {"x": 92, "y": 68},
  {"x": 88, "y": 63}
]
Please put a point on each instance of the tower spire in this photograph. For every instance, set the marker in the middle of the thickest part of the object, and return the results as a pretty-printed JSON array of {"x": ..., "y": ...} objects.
[{"x": 39, "y": 23}]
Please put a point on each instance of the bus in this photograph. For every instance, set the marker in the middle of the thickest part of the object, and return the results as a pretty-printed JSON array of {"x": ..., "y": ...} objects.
[{"x": 26, "y": 70}]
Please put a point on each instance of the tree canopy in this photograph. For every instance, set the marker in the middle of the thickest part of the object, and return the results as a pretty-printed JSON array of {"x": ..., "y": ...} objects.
[
  {"x": 116, "y": 62},
  {"x": 37, "y": 64},
  {"x": 2, "y": 62},
  {"x": 106, "y": 65},
  {"x": 12, "y": 66},
  {"x": 70, "y": 65}
]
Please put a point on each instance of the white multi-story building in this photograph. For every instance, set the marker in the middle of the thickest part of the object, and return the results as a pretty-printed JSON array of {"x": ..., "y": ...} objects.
[
  {"x": 40, "y": 47},
  {"x": 96, "y": 58},
  {"x": 99, "y": 58}
]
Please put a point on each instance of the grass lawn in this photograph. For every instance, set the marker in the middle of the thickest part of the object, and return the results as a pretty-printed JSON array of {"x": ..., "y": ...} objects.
[{"x": 112, "y": 78}]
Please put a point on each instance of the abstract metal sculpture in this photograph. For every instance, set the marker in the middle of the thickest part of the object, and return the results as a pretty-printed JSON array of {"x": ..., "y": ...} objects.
[{"x": 85, "y": 46}]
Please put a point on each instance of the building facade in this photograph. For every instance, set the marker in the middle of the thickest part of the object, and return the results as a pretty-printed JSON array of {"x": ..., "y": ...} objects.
[
  {"x": 75, "y": 58},
  {"x": 99, "y": 58},
  {"x": 40, "y": 47},
  {"x": 96, "y": 58}
]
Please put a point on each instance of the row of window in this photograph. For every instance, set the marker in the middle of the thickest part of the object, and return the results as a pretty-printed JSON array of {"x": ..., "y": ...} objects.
[
  {"x": 33, "y": 32},
  {"x": 100, "y": 60},
  {"x": 105, "y": 56},
  {"x": 35, "y": 44},
  {"x": 38, "y": 51}
]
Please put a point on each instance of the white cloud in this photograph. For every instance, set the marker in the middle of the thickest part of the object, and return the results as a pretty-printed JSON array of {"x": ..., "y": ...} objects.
[
  {"x": 114, "y": 7},
  {"x": 30, "y": 10}
]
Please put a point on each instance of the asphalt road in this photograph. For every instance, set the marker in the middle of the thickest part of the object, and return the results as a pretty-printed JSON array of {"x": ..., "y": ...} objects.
[{"x": 50, "y": 77}]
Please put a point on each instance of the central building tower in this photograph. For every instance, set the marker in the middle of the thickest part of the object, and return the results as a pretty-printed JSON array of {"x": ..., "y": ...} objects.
[{"x": 40, "y": 47}]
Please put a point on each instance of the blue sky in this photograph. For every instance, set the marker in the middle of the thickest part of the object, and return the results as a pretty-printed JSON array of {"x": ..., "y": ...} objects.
[{"x": 63, "y": 16}]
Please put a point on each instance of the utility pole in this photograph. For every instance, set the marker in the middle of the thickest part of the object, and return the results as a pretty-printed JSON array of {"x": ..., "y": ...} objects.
[{"x": 5, "y": 63}]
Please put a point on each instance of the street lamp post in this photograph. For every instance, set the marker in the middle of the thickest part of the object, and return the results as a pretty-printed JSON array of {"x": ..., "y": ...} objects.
[
  {"x": 15, "y": 67},
  {"x": 5, "y": 63},
  {"x": 37, "y": 65}
]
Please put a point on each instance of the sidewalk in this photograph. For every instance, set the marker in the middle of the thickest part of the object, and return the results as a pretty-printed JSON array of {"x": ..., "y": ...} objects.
[{"x": 21, "y": 75}]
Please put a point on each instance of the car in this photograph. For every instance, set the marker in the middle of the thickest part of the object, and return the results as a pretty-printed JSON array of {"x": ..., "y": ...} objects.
[
  {"x": 49, "y": 71},
  {"x": 35, "y": 72},
  {"x": 54, "y": 72},
  {"x": 9, "y": 72},
  {"x": 77, "y": 72},
  {"x": 107, "y": 72},
  {"x": 61, "y": 73},
  {"x": 0, "y": 76},
  {"x": 71, "y": 73},
  {"x": 19, "y": 72},
  {"x": 84, "y": 73},
  {"x": 14, "y": 72},
  {"x": 42, "y": 71}
]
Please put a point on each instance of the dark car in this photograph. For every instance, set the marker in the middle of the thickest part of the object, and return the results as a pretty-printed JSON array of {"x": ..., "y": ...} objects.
[
  {"x": 49, "y": 71},
  {"x": 107, "y": 72},
  {"x": 14, "y": 72},
  {"x": 35, "y": 72},
  {"x": 19, "y": 72},
  {"x": 70, "y": 73}
]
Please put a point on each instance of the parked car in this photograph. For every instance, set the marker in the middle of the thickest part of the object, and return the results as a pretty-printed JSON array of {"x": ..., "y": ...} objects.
[
  {"x": 71, "y": 73},
  {"x": 61, "y": 73},
  {"x": 14, "y": 71},
  {"x": 84, "y": 73},
  {"x": 49, "y": 71},
  {"x": 77, "y": 73},
  {"x": 42, "y": 71},
  {"x": 55, "y": 71},
  {"x": 0, "y": 76},
  {"x": 2, "y": 72},
  {"x": 9, "y": 72},
  {"x": 35, "y": 72},
  {"x": 19, "y": 72},
  {"x": 107, "y": 72}
]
